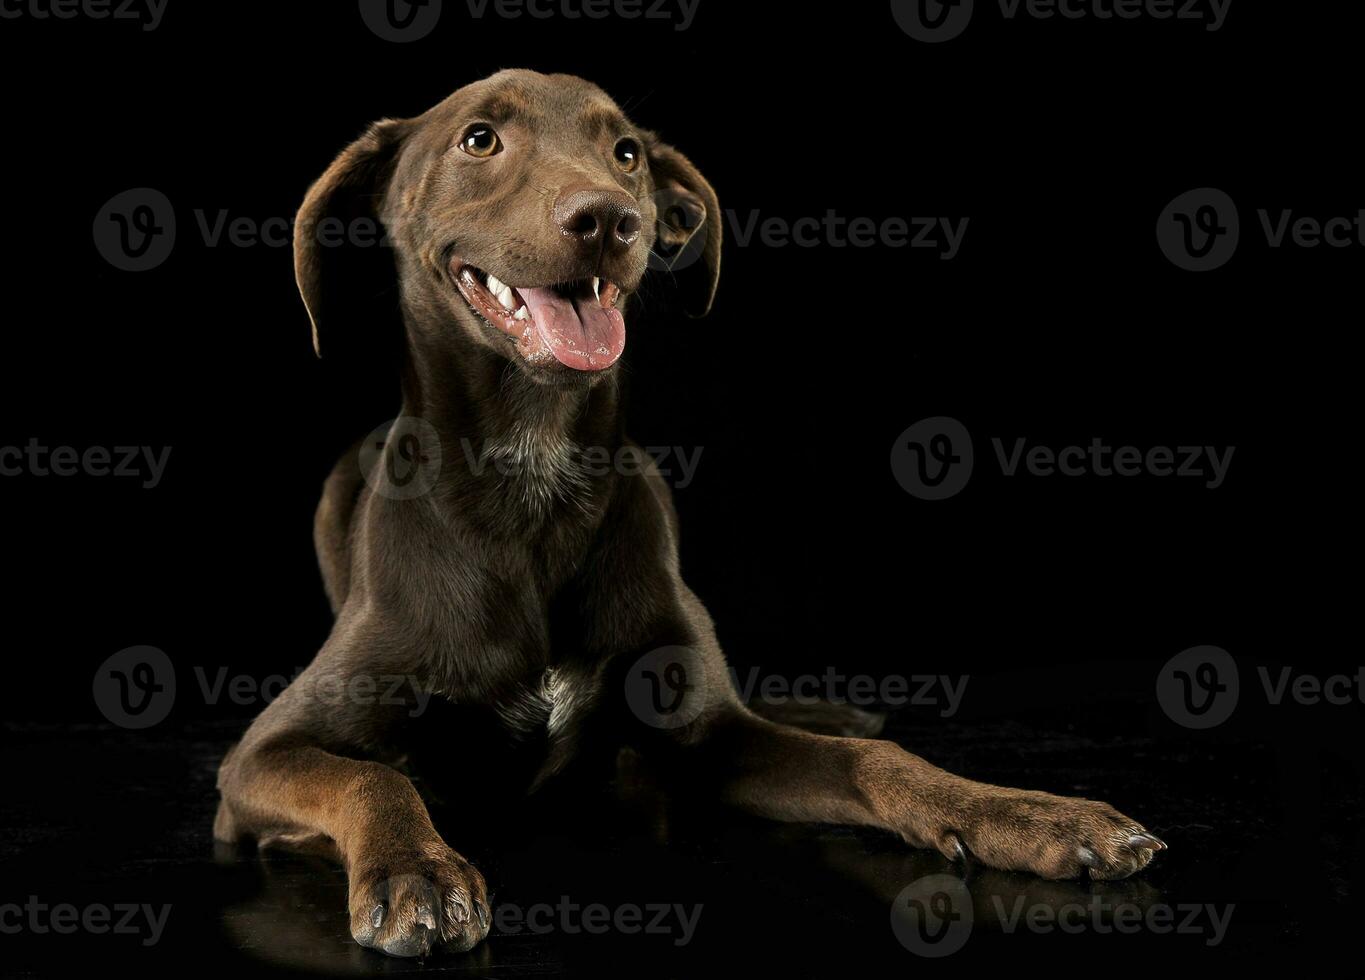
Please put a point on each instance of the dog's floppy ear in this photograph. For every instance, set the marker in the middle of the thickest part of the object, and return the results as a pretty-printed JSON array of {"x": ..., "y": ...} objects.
[
  {"x": 690, "y": 227},
  {"x": 341, "y": 259}
]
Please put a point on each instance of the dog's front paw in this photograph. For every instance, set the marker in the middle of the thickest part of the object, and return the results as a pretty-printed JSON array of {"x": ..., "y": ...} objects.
[
  {"x": 1055, "y": 836},
  {"x": 408, "y": 901}
]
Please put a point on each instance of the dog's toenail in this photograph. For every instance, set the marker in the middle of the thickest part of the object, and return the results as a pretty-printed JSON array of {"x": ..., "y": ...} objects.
[{"x": 1147, "y": 841}]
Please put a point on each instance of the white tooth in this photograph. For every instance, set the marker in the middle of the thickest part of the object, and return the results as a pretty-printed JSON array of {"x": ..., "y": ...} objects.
[
  {"x": 597, "y": 287},
  {"x": 501, "y": 291},
  {"x": 522, "y": 314}
]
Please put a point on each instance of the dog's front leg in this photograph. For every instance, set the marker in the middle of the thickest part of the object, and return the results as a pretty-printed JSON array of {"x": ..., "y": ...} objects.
[
  {"x": 409, "y": 891},
  {"x": 640, "y": 610},
  {"x": 787, "y": 774}
]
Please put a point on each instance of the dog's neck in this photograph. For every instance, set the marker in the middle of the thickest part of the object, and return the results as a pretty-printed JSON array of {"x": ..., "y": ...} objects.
[{"x": 519, "y": 448}]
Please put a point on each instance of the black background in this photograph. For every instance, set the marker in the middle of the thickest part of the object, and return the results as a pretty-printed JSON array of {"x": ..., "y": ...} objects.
[{"x": 1059, "y": 321}]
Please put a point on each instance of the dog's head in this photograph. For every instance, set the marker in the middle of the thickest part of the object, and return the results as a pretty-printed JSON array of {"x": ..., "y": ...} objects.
[{"x": 522, "y": 211}]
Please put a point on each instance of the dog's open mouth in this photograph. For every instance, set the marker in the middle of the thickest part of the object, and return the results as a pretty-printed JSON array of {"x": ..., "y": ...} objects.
[{"x": 577, "y": 324}]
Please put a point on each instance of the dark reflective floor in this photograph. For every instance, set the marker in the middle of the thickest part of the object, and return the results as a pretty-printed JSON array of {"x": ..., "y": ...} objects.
[{"x": 123, "y": 820}]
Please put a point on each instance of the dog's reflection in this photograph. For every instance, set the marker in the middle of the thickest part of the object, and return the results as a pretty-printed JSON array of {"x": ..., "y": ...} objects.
[{"x": 930, "y": 898}]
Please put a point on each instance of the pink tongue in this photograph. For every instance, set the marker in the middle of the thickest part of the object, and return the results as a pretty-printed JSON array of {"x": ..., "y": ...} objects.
[{"x": 579, "y": 332}]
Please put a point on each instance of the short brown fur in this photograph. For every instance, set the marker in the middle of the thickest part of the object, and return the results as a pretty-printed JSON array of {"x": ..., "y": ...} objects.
[{"x": 486, "y": 586}]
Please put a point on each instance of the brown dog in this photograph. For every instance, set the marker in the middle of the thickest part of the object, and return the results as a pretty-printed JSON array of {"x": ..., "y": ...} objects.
[{"x": 522, "y": 211}]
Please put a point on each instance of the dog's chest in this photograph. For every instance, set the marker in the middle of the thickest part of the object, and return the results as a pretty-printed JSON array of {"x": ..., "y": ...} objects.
[
  {"x": 538, "y": 469},
  {"x": 551, "y": 704},
  {"x": 507, "y": 743}
]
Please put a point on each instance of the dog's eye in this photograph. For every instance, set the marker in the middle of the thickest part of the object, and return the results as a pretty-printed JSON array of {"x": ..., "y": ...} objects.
[
  {"x": 481, "y": 140},
  {"x": 628, "y": 155}
]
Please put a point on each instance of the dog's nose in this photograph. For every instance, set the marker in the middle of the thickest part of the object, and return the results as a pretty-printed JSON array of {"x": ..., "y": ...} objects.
[{"x": 592, "y": 218}]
